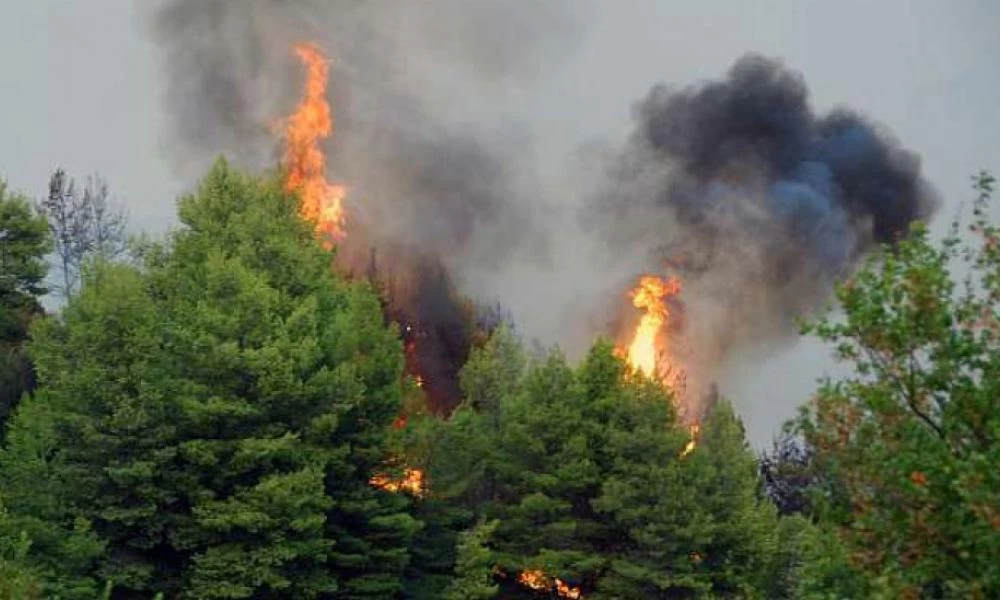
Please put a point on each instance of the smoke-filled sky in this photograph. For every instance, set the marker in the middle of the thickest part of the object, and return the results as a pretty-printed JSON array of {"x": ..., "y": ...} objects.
[{"x": 101, "y": 85}]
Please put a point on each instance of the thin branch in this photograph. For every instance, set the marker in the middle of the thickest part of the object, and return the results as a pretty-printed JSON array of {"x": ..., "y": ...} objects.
[{"x": 905, "y": 390}]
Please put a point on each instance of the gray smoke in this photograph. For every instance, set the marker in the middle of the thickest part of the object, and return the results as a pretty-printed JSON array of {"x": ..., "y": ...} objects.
[
  {"x": 416, "y": 173},
  {"x": 757, "y": 201},
  {"x": 434, "y": 198},
  {"x": 736, "y": 185}
]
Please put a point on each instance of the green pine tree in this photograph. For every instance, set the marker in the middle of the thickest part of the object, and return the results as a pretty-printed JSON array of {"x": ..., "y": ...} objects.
[
  {"x": 24, "y": 242},
  {"x": 217, "y": 414},
  {"x": 458, "y": 457},
  {"x": 583, "y": 470},
  {"x": 474, "y": 565}
]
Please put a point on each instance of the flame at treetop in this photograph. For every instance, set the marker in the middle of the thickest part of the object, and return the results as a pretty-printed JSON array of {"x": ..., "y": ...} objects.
[
  {"x": 644, "y": 353},
  {"x": 320, "y": 201},
  {"x": 650, "y": 296}
]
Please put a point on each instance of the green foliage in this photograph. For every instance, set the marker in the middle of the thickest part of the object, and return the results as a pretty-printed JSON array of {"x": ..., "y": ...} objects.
[
  {"x": 17, "y": 581},
  {"x": 910, "y": 439},
  {"x": 215, "y": 415},
  {"x": 582, "y": 470},
  {"x": 493, "y": 372},
  {"x": 474, "y": 565},
  {"x": 208, "y": 422},
  {"x": 39, "y": 506},
  {"x": 459, "y": 458},
  {"x": 16, "y": 379},
  {"x": 24, "y": 242}
]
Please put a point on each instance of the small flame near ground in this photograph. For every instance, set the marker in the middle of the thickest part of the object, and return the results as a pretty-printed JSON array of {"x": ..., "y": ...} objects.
[
  {"x": 412, "y": 482},
  {"x": 539, "y": 581},
  {"x": 321, "y": 202}
]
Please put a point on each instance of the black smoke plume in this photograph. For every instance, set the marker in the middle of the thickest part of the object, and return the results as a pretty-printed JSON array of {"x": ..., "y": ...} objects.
[{"x": 756, "y": 200}]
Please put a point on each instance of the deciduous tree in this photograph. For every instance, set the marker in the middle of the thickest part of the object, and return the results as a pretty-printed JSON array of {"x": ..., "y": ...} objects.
[{"x": 910, "y": 439}]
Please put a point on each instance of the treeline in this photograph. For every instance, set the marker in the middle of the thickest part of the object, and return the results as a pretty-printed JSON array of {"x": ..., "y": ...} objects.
[{"x": 220, "y": 417}]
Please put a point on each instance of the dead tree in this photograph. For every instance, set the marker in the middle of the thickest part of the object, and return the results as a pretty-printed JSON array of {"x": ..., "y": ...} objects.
[{"x": 84, "y": 225}]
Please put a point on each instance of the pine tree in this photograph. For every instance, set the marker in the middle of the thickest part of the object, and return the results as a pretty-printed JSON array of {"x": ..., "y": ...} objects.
[
  {"x": 54, "y": 543},
  {"x": 17, "y": 582},
  {"x": 458, "y": 457},
  {"x": 219, "y": 412},
  {"x": 474, "y": 565},
  {"x": 687, "y": 525},
  {"x": 583, "y": 470},
  {"x": 24, "y": 242}
]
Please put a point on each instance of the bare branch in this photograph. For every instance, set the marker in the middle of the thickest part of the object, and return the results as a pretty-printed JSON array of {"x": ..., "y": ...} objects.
[{"x": 83, "y": 225}]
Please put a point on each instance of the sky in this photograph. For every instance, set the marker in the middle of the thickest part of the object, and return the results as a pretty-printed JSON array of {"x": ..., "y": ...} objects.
[{"x": 81, "y": 87}]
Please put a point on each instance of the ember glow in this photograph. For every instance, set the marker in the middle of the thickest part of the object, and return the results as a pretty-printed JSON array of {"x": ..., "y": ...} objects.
[{"x": 321, "y": 202}]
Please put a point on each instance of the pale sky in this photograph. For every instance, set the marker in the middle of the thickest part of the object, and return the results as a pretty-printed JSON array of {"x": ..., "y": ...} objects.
[{"x": 80, "y": 87}]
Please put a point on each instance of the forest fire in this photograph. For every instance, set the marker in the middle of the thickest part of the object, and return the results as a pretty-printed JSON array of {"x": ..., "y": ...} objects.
[
  {"x": 423, "y": 325},
  {"x": 305, "y": 161}
]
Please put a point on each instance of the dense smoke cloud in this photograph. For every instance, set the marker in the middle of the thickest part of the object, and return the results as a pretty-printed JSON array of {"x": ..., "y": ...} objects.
[
  {"x": 432, "y": 193},
  {"x": 756, "y": 201},
  {"x": 759, "y": 202}
]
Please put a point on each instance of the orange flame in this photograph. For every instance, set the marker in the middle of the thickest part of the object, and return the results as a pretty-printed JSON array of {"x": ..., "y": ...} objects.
[
  {"x": 539, "y": 581},
  {"x": 412, "y": 482},
  {"x": 649, "y": 296},
  {"x": 533, "y": 579},
  {"x": 320, "y": 201},
  {"x": 565, "y": 591},
  {"x": 646, "y": 352},
  {"x": 695, "y": 430}
]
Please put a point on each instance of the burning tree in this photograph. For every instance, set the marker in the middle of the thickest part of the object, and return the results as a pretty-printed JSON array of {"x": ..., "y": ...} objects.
[
  {"x": 646, "y": 350},
  {"x": 437, "y": 324},
  {"x": 583, "y": 469}
]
